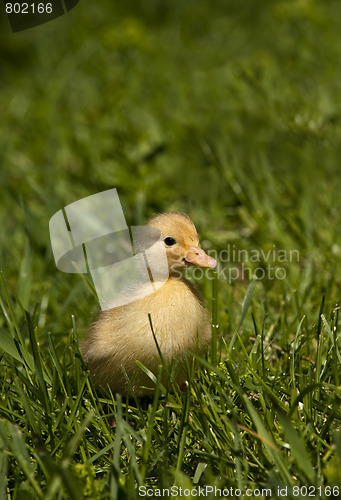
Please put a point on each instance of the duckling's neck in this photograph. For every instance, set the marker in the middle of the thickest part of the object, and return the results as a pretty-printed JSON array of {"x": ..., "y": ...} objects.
[{"x": 176, "y": 274}]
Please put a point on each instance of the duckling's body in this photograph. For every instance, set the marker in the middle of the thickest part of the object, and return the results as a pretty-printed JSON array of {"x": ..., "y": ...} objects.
[{"x": 180, "y": 321}]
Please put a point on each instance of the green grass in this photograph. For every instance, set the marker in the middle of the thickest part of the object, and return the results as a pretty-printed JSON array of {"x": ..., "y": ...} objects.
[{"x": 230, "y": 114}]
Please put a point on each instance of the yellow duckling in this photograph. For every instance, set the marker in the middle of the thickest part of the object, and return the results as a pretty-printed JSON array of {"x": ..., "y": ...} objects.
[{"x": 123, "y": 335}]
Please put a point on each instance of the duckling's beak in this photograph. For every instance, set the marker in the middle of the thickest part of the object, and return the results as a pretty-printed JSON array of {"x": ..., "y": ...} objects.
[{"x": 198, "y": 257}]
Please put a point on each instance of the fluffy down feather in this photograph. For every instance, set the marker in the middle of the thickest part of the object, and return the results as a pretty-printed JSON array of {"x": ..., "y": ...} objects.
[{"x": 121, "y": 336}]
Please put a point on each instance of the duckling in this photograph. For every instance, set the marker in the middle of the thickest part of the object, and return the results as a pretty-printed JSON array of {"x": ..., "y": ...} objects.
[{"x": 180, "y": 320}]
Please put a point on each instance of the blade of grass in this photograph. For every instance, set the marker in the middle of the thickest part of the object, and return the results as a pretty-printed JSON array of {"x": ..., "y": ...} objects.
[
  {"x": 297, "y": 447},
  {"x": 215, "y": 325},
  {"x": 268, "y": 442},
  {"x": 246, "y": 304},
  {"x": 14, "y": 440}
]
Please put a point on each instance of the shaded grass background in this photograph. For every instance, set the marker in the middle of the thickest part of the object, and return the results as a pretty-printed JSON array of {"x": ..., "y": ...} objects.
[{"x": 227, "y": 112}]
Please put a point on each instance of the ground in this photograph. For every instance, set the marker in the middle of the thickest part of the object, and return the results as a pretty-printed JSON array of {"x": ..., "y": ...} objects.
[{"x": 230, "y": 113}]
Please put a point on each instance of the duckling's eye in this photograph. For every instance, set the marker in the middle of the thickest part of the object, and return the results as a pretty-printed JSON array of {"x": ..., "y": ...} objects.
[{"x": 169, "y": 241}]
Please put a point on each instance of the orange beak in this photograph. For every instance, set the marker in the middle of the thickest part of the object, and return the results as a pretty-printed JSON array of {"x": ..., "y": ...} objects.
[{"x": 198, "y": 257}]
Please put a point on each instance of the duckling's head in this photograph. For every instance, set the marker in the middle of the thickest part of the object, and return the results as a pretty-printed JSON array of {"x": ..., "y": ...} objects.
[{"x": 181, "y": 241}]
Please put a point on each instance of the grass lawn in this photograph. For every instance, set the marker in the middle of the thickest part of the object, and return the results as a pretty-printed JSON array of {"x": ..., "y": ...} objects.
[{"x": 229, "y": 112}]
